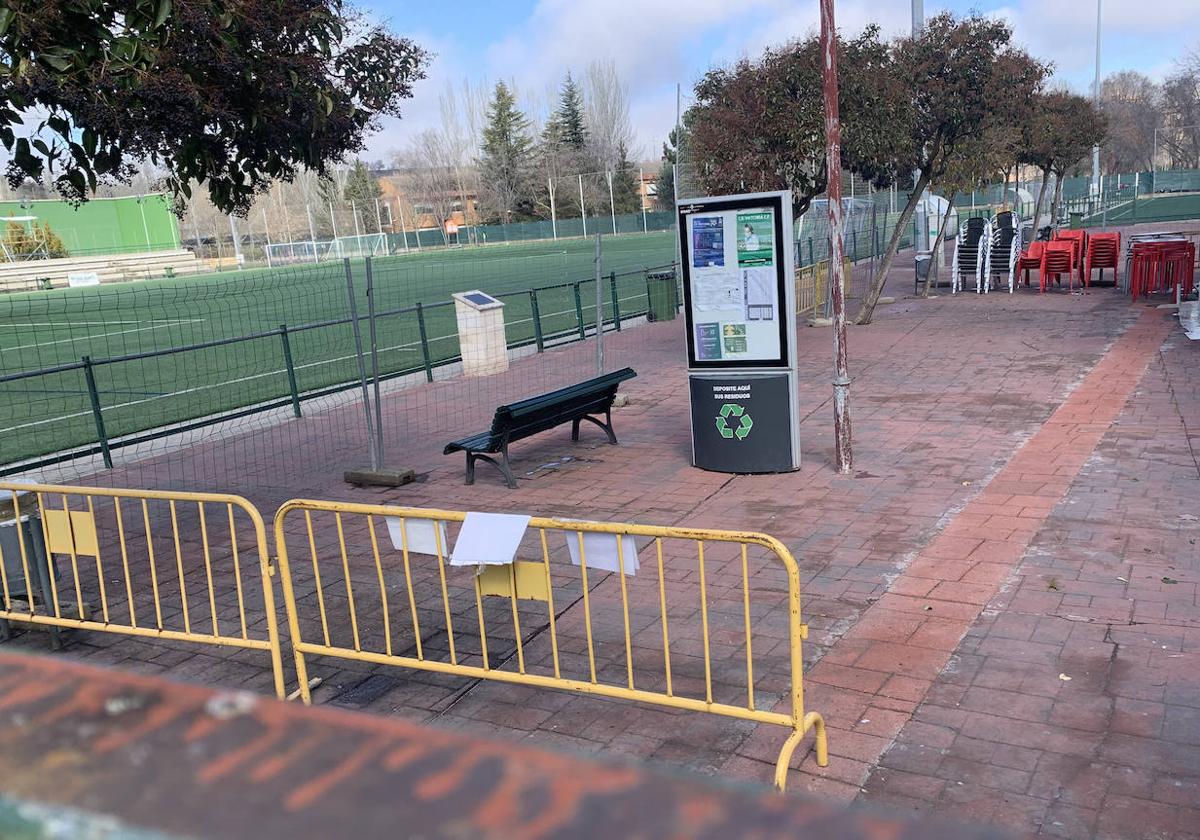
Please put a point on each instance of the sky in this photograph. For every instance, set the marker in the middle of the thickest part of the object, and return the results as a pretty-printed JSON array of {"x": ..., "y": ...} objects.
[{"x": 656, "y": 44}]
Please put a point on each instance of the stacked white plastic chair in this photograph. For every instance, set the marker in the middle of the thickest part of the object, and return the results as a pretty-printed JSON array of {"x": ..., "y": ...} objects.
[
  {"x": 1004, "y": 250},
  {"x": 971, "y": 252}
]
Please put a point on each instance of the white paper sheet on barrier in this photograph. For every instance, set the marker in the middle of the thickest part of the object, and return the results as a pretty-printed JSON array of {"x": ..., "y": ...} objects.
[
  {"x": 602, "y": 554},
  {"x": 422, "y": 534},
  {"x": 488, "y": 539}
]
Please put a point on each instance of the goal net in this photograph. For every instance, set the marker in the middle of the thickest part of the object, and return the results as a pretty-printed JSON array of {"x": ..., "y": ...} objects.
[
  {"x": 290, "y": 253},
  {"x": 364, "y": 245}
]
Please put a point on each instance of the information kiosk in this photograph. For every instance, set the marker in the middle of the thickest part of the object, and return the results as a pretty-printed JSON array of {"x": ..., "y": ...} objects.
[{"x": 738, "y": 269}]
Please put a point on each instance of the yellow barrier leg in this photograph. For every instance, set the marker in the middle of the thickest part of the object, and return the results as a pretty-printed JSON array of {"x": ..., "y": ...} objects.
[
  {"x": 814, "y": 721},
  {"x": 785, "y": 758}
]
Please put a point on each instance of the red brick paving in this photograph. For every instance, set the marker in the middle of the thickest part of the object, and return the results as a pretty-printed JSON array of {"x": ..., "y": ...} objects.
[{"x": 937, "y": 638}]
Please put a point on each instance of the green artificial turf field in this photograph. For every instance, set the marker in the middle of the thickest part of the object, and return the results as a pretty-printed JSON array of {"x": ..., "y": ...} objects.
[{"x": 39, "y": 330}]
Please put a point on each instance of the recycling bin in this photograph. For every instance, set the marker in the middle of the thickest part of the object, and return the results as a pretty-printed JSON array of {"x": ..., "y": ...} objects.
[
  {"x": 25, "y": 529},
  {"x": 663, "y": 295}
]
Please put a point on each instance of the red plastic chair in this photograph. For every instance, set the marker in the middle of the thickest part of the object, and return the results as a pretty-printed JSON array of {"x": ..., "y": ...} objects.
[
  {"x": 1161, "y": 267},
  {"x": 1080, "y": 238},
  {"x": 1104, "y": 251},
  {"x": 1030, "y": 258},
  {"x": 1058, "y": 259}
]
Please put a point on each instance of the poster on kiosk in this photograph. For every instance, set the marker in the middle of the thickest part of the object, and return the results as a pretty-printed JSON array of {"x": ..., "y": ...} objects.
[{"x": 739, "y": 302}]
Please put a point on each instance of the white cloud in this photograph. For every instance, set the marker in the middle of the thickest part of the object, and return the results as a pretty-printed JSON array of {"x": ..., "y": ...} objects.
[{"x": 658, "y": 43}]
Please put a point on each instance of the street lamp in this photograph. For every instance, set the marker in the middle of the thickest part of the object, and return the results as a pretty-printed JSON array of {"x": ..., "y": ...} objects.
[{"x": 1096, "y": 99}]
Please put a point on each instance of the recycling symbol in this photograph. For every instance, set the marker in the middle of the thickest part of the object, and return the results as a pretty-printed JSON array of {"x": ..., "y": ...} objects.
[{"x": 745, "y": 424}]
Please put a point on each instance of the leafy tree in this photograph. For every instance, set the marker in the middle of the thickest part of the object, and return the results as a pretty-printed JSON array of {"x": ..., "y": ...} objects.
[
  {"x": 569, "y": 117},
  {"x": 963, "y": 78},
  {"x": 506, "y": 156},
  {"x": 37, "y": 240},
  {"x": 361, "y": 190},
  {"x": 760, "y": 125},
  {"x": 230, "y": 96},
  {"x": 626, "y": 190},
  {"x": 1060, "y": 132}
]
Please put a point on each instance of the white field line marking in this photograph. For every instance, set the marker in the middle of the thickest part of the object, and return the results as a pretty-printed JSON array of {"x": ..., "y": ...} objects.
[{"x": 90, "y": 336}]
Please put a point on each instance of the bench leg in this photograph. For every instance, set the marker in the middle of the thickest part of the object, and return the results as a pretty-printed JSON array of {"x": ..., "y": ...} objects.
[
  {"x": 605, "y": 424},
  {"x": 501, "y": 464}
]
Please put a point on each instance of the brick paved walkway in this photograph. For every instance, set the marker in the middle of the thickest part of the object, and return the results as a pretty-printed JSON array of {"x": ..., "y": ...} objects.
[{"x": 1022, "y": 507}]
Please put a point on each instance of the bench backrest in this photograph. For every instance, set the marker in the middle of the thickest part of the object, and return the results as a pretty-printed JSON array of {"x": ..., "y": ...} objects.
[{"x": 545, "y": 411}]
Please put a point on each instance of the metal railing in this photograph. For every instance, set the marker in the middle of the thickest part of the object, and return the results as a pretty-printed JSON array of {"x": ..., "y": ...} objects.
[
  {"x": 649, "y": 641},
  {"x": 124, "y": 578},
  {"x": 547, "y": 328}
]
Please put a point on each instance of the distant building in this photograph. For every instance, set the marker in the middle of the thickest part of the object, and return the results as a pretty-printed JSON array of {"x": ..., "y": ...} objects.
[{"x": 410, "y": 212}]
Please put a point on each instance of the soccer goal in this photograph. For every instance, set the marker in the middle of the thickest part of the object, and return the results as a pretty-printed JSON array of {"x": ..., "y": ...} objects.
[
  {"x": 364, "y": 245},
  {"x": 291, "y": 253}
]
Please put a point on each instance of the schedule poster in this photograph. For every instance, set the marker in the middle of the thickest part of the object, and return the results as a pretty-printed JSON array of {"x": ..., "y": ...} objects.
[{"x": 734, "y": 296}]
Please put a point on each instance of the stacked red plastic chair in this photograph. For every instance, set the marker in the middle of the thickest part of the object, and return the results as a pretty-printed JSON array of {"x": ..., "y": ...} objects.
[
  {"x": 1162, "y": 266},
  {"x": 1080, "y": 240},
  {"x": 1104, "y": 251},
  {"x": 1030, "y": 258},
  {"x": 1058, "y": 259}
]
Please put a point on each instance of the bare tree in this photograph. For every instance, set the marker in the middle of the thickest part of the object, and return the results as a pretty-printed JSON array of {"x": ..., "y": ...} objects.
[
  {"x": 606, "y": 100},
  {"x": 429, "y": 175},
  {"x": 1132, "y": 102}
]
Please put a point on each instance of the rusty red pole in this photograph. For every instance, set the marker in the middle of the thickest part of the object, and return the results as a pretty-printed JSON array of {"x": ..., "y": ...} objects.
[{"x": 833, "y": 158}]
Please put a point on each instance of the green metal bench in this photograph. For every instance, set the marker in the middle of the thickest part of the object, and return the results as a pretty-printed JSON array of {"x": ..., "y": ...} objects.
[{"x": 589, "y": 400}]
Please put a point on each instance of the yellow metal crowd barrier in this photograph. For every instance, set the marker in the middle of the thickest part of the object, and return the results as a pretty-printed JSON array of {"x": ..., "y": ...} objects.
[
  {"x": 681, "y": 636},
  {"x": 91, "y": 559},
  {"x": 578, "y": 609}
]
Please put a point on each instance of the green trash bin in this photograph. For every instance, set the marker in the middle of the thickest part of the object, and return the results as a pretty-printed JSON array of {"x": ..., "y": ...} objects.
[
  {"x": 1076, "y": 218},
  {"x": 663, "y": 295}
]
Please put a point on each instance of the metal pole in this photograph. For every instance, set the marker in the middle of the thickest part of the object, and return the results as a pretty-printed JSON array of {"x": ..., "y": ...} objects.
[
  {"x": 94, "y": 395},
  {"x": 642, "y": 198},
  {"x": 918, "y": 17},
  {"x": 1096, "y": 99},
  {"x": 291, "y": 368},
  {"x": 354, "y": 212},
  {"x": 833, "y": 139},
  {"x": 374, "y": 361},
  {"x": 267, "y": 233},
  {"x": 582, "y": 209},
  {"x": 599, "y": 312},
  {"x": 237, "y": 245},
  {"x": 403, "y": 227},
  {"x": 553, "y": 214},
  {"x": 378, "y": 218},
  {"x": 362, "y": 370},
  {"x": 333, "y": 221},
  {"x": 1154, "y": 160},
  {"x": 612, "y": 206},
  {"x": 312, "y": 231}
]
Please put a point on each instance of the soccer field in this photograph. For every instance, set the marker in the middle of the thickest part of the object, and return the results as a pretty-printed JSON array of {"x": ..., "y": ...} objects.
[
  {"x": 1157, "y": 208},
  {"x": 114, "y": 326}
]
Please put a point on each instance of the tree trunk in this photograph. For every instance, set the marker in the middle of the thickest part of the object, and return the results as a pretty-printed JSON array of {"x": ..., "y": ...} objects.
[
  {"x": 1041, "y": 200},
  {"x": 872, "y": 298},
  {"x": 1057, "y": 198},
  {"x": 937, "y": 244}
]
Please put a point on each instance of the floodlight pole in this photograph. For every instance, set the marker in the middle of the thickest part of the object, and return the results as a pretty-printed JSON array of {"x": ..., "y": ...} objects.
[
  {"x": 833, "y": 165},
  {"x": 553, "y": 213},
  {"x": 1096, "y": 99}
]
